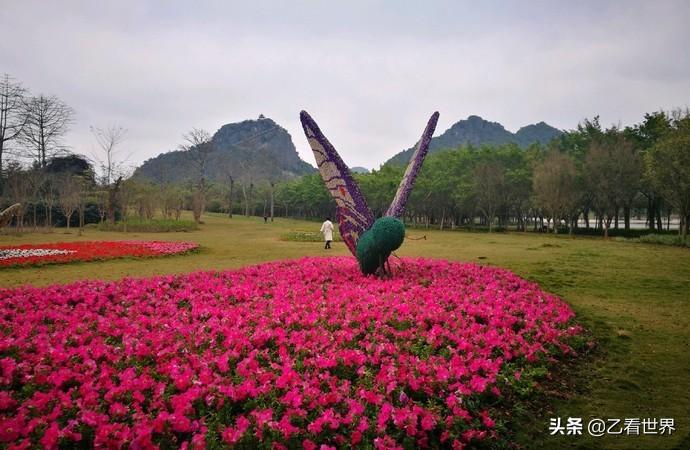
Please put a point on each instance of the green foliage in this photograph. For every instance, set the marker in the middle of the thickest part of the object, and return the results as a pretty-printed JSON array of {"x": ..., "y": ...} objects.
[
  {"x": 651, "y": 130},
  {"x": 306, "y": 196},
  {"x": 379, "y": 187},
  {"x": 593, "y": 172},
  {"x": 663, "y": 239},
  {"x": 668, "y": 170},
  {"x": 149, "y": 225}
]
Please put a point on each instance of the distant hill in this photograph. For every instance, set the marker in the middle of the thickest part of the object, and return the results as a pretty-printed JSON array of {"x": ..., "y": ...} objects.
[
  {"x": 477, "y": 131},
  {"x": 541, "y": 132},
  {"x": 257, "y": 149},
  {"x": 358, "y": 169}
]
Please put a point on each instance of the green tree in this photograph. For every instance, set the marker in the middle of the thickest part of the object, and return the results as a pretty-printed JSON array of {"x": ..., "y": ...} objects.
[
  {"x": 555, "y": 187},
  {"x": 577, "y": 144},
  {"x": 599, "y": 169},
  {"x": 646, "y": 135},
  {"x": 668, "y": 171},
  {"x": 379, "y": 187},
  {"x": 613, "y": 170},
  {"x": 489, "y": 187}
]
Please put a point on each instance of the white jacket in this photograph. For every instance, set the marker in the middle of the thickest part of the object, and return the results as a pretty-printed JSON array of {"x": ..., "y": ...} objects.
[{"x": 327, "y": 230}]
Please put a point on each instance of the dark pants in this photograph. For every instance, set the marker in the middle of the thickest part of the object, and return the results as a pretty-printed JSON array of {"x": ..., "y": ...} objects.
[{"x": 328, "y": 244}]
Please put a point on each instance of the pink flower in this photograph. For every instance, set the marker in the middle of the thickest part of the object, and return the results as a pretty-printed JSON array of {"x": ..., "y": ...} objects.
[
  {"x": 308, "y": 445},
  {"x": 117, "y": 409},
  {"x": 6, "y": 401},
  {"x": 51, "y": 436},
  {"x": 384, "y": 416},
  {"x": 306, "y": 348},
  {"x": 233, "y": 435},
  {"x": 262, "y": 416},
  {"x": 180, "y": 423},
  {"x": 286, "y": 428},
  {"x": 428, "y": 423}
]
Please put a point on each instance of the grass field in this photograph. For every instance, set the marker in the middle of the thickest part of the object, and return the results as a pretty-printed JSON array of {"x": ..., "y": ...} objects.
[{"x": 634, "y": 298}]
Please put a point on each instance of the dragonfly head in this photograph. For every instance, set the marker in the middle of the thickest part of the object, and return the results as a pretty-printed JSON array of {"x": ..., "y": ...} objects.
[
  {"x": 388, "y": 234},
  {"x": 376, "y": 244}
]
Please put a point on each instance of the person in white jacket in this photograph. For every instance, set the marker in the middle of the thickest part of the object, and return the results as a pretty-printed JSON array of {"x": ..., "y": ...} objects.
[{"x": 327, "y": 230}]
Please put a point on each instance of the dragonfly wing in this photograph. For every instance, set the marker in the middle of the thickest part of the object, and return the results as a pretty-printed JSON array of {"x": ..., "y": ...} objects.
[
  {"x": 397, "y": 207},
  {"x": 353, "y": 214}
]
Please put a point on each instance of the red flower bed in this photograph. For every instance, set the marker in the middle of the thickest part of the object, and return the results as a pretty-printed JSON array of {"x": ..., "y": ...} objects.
[
  {"x": 296, "y": 354},
  {"x": 30, "y": 254}
]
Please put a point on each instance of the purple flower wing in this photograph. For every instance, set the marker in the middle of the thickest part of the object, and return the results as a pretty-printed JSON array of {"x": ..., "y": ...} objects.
[
  {"x": 353, "y": 214},
  {"x": 397, "y": 207}
]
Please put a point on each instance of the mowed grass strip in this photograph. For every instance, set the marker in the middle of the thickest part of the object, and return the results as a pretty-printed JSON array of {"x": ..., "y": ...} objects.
[{"x": 635, "y": 299}]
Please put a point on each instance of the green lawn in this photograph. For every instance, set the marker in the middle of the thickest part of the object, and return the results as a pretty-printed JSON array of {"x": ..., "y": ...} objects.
[{"x": 635, "y": 299}]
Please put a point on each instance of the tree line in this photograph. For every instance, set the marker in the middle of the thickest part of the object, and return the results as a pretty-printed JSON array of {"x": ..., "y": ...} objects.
[
  {"x": 589, "y": 178},
  {"x": 56, "y": 187}
]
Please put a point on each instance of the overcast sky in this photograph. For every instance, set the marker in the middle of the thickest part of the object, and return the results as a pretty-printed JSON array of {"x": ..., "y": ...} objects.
[{"x": 370, "y": 73}]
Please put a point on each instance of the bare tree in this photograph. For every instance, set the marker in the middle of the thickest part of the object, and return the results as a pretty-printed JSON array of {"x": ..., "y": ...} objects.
[
  {"x": 18, "y": 189},
  {"x": 555, "y": 188},
  {"x": 109, "y": 160},
  {"x": 83, "y": 193},
  {"x": 12, "y": 115},
  {"x": 172, "y": 201},
  {"x": 101, "y": 197},
  {"x": 145, "y": 198},
  {"x": 273, "y": 189},
  {"x": 198, "y": 148},
  {"x": 489, "y": 181},
  {"x": 47, "y": 120},
  {"x": 628, "y": 172},
  {"x": 48, "y": 196},
  {"x": 7, "y": 214},
  {"x": 247, "y": 186},
  {"x": 35, "y": 179},
  {"x": 125, "y": 197},
  {"x": 229, "y": 178},
  {"x": 69, "y": 196},
  {"x": 113, "y": 199},
  {"x": 111, "y": 167},
  {"x": 248, "y": 198},
  {"x": 231, "y": 188},
  {"x": 613, "y": 172}
]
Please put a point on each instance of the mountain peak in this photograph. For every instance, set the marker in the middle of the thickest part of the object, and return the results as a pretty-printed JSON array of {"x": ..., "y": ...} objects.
[
  {"x": 540, "y": 132},
  {"x": 255, "y": 149},
  {"x": 478, "y": 131}
]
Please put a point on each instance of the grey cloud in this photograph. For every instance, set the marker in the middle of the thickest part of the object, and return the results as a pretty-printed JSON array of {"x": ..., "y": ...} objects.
[{"x": 369, "y": 72}]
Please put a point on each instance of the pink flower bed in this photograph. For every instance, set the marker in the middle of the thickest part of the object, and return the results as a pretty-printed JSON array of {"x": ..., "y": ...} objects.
[
  {"x": 305, "y": 354},
  {"x": 62, "y": 252}
]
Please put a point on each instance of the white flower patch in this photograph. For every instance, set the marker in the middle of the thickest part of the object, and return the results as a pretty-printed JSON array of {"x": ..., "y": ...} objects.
[{"x": 29, "y": 252}]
